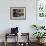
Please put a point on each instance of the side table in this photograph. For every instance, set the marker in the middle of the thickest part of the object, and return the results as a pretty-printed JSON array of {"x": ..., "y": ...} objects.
[{"x": 8, "y": 34}]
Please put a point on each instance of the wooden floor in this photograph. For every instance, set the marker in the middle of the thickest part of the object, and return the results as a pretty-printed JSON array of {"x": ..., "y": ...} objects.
[{"x": 13, "y": 44}]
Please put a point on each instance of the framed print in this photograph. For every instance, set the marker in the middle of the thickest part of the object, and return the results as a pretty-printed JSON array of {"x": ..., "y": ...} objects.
[
  {"x": 41, "y": 12},
  {"x": 41, "y": 8},
  {"x": 17, "y": 13}
]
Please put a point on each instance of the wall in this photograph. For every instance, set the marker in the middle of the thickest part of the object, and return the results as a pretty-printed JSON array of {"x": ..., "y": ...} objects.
[{"x": 24, "y": 25}]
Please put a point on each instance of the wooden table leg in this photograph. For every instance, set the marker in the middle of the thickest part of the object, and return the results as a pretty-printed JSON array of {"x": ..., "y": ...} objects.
[
  {"x": 5, "y": 40},
  {"x": 16, "y": 40}
]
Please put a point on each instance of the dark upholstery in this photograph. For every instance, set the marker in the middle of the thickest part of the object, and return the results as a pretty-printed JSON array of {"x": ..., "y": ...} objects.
[{"x": 14, "y": 30}]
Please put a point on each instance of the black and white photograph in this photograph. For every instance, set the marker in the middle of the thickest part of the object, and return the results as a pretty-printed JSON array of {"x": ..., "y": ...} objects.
[{"x": 17, "y": 13}]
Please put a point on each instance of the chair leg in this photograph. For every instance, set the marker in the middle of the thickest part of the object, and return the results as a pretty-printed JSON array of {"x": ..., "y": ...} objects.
[
  {"x": 5, "y": 40},
  {"x": 5, "y": 43}
]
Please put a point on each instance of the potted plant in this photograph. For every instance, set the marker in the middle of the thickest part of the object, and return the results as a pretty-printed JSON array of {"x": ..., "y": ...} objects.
[
  {"x": 38, "y": 27},
  {"x": 39, "y": 35}
]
